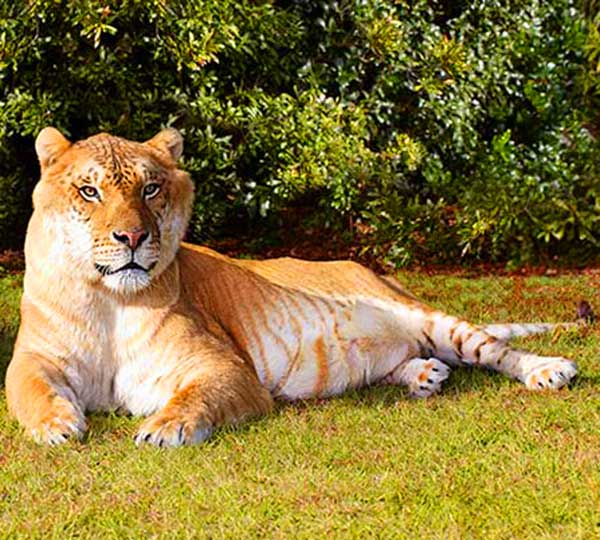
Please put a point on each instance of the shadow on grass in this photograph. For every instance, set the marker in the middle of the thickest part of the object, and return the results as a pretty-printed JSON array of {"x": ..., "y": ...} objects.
[
  {"x": 586, "y": 382},
  {"x": 462, "y": 380},
  {"x": 7, "y": 342},
  {"x": 11, "y": 287}
]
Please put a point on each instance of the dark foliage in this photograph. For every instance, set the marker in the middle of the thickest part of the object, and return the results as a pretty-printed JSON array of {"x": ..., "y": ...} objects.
[{"x": 444, "y": 130}]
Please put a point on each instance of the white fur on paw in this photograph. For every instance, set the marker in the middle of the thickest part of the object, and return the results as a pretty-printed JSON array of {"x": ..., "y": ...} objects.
[
  {"x": 424, "y": 377},
  {"x": 165, "y": 432},
  {"x": 552, "y": 373},
  {"x": 57, "y": 430}
]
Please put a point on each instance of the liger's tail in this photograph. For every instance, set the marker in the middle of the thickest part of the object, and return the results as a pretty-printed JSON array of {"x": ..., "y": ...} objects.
[{"x": 585, "y": 316}]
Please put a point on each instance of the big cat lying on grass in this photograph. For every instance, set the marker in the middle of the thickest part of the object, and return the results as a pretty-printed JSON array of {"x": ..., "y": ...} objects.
[{"x": 118, "y": 314}]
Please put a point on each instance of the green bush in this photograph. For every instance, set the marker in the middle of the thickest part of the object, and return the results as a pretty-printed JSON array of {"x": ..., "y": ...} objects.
[{"x": 449, "y": 130}]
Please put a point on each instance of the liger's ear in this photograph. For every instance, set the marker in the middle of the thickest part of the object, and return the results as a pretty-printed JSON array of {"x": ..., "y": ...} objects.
[
  {"x": 168, "y": 141},
  {"x": 50, "y": 143}
]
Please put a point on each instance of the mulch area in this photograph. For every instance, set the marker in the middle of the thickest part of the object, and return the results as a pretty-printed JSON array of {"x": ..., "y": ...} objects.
[
  {"x": 319, "y": 247},
  {"x": 12, "y": 261},
  {"x": 327, "y": 247}
]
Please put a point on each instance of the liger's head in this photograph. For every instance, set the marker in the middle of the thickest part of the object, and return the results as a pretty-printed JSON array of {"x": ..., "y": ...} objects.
[{"x": 116, "y": 209}]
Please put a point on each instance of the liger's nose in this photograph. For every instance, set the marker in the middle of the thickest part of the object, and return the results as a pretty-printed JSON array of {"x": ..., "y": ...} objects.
[{"x": 131, "y": 238}]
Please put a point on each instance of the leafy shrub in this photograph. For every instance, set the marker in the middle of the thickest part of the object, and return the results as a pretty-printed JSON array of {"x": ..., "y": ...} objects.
[{"x": 448, "y": 129}]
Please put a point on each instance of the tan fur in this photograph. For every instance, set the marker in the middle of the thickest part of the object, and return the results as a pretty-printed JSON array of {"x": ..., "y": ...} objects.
[{"x": 193, "y": 339}]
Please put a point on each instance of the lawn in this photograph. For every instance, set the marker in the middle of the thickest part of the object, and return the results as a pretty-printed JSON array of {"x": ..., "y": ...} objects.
[{"x": 484, "y": 459}]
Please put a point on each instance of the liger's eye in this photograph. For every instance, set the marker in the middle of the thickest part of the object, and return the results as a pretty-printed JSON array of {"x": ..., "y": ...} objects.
[
  {"x": 151, "y": 190},
  {"x": 89, "y": 193}
]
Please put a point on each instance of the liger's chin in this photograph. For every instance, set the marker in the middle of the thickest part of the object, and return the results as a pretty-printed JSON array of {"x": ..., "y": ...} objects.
[{"x": 127, "y": 282}]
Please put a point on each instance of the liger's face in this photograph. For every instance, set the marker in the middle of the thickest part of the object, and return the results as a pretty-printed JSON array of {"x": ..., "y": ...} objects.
[{"x": 121, "y": 207}]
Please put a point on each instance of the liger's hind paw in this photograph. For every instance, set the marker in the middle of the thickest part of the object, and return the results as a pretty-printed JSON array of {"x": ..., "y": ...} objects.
[
  {"x": 424, "y": 377},
  {"x": 551, "y": 373}
]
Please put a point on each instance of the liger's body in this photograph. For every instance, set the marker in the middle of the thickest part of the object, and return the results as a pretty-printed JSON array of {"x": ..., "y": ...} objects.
[{"x": 116, "y": 315}]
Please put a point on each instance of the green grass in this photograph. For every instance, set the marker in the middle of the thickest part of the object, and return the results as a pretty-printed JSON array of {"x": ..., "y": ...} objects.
[{"x": 485, "y": 459}]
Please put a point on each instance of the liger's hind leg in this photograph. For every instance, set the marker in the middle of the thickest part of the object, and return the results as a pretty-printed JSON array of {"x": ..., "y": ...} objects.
[{"x": 458, "y": 341}]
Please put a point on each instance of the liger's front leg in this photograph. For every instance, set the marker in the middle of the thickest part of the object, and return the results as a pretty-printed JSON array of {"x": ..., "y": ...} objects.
[
  {"x": 41, "y": 398},
  {"x": 217, "y": 389}
]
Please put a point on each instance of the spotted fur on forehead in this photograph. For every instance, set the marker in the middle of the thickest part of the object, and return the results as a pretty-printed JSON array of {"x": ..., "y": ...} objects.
[{"x": 119, "y": 160}]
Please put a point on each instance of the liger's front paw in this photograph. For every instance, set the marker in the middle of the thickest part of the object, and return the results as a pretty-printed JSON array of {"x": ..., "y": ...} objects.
[
  {"x": 550, "y": 373},
  {"x": 171, "y": 430},
  {"x": 61, "y": 422}
]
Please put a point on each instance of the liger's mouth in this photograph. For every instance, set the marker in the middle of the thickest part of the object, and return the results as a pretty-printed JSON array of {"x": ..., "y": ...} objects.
[{"x": 106, "y": 270}]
